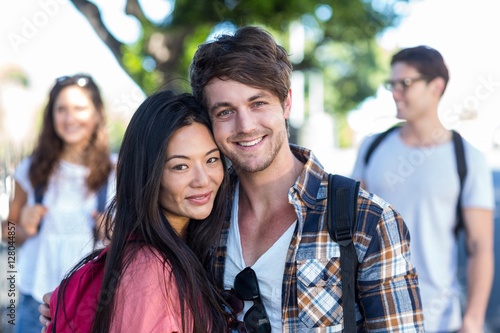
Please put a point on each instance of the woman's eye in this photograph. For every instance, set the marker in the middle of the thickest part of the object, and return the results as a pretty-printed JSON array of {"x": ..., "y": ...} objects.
[
  {"x": 180, "y": 167},
  {"x": 212, "y": 160}
]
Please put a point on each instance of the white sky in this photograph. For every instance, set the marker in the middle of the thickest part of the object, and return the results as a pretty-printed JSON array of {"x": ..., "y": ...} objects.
[{"x": 49, "y": 38}]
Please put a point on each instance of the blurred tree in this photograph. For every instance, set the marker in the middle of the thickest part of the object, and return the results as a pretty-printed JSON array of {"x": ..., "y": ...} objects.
[{"x": 339, "y": 39}]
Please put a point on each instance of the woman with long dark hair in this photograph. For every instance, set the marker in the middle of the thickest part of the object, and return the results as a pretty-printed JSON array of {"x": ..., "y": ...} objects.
[
  {"x": 164, "y": 222},
  {"x": 56, "y": 192}
]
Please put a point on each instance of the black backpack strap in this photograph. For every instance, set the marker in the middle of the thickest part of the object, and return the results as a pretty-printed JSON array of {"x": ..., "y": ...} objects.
[
  {"x": 101, "y": 197},
  {"x": 39, "y": 193},
  {"x": 342, "y": 209},
  {"x": 377, "y": 141},
  {"x": 102, "y": 193},
  {"x": 461, "y": 167},
  {"x": 462, "y": 172}
]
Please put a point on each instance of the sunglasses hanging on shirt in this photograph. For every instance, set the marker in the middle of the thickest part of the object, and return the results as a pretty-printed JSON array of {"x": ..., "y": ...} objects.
[{"x": 246, "y": 288}]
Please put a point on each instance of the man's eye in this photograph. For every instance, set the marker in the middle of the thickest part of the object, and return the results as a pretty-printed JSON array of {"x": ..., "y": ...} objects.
[{"x": 224, "y": 113}]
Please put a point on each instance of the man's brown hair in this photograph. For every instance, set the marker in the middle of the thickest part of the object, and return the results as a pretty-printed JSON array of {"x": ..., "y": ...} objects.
[{"x": 251, "y": 56}]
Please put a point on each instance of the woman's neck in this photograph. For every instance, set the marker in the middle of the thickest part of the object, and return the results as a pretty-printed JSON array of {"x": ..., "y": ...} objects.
[{"x": 74, "y": 155}]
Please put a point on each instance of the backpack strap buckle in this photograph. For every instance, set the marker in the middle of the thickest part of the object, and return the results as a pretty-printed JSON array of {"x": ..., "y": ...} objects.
[{"x": 343, "y": 236}]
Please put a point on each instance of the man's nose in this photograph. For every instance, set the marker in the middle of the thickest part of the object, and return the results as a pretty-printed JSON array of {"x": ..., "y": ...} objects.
[{"x": 245, "y": 122}]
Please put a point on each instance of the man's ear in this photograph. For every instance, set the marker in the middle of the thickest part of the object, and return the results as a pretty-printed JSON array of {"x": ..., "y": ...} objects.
[
  {"x": 287, "y": 104},
  {"x": 438, "y": 86}
]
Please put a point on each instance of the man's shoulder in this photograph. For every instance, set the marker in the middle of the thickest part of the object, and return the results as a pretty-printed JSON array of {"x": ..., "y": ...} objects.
[
  {"x": 472, "y": 153},
  {"x": 371, "y": 200},
  {"x": 373, "y": 210}
]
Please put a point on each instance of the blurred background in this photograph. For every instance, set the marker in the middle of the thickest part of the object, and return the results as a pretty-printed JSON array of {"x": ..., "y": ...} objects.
[{"x": 340, "y": 51}]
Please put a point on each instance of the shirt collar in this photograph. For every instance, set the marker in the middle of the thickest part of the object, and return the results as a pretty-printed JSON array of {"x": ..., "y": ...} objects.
[{"x": 308, "y": 184}]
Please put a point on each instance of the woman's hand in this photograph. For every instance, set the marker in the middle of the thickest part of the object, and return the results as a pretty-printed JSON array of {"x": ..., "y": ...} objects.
[
  {"x": 31, "y": 217},
  {"x": 44, "y": 310}
]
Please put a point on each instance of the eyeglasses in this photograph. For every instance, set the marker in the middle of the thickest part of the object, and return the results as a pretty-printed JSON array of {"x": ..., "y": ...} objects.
[
  {"x": 81, "y": 80},
  {"x": 402, "y": 85},
  {"x": 246, "y": 287}
]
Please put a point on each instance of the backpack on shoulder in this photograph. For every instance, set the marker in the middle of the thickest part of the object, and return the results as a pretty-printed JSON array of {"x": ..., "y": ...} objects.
[
  {"x": 76, "y": 299},
  {"x": 342, "y": 217},
  {"x": 458, "y": 146}
]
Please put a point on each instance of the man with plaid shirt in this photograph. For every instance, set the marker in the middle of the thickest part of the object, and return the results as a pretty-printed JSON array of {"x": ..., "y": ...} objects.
[{"x": 275, "y": 248}]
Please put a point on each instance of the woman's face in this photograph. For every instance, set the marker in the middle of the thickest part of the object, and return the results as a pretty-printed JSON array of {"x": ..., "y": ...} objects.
[
  {"x": 192, "y": 175},
  {"x": 75, "y": 116}
]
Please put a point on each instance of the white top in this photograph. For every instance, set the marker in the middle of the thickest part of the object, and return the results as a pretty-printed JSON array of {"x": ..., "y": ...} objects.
[
  {"x": 269, "y": 268},
  {"x": 65, "y": 235},
  {"x": 422, "y": 184}
]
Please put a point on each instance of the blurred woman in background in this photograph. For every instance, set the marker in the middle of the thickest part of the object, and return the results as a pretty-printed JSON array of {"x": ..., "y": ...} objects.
[{"x": 56, "y": 195}]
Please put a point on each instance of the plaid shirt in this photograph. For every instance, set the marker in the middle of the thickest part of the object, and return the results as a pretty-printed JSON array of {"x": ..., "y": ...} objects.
[{"x": 387, "y": 292}]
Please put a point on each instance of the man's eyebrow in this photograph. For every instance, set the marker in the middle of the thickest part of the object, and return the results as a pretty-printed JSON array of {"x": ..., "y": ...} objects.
[
  {"x": 227, "y": 104},
  {"x": 218, "y": 105},
  {"x": 261, "y": 94}
]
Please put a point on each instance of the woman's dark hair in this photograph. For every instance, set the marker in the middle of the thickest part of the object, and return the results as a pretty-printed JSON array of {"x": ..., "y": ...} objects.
[
  {"x": 49, "y": 146},
  {"x": 135, "y": 218}
]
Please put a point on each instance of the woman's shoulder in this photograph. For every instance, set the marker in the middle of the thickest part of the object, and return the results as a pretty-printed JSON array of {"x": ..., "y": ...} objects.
[
  {"x": 147, "y": 297},
  {"x": 113, "y": 157},
  {"x": 24, "y": 165},
  {"x": 21, "y": 174},
  {"x": 146, "y": 274},
  {"x": 146, "y": 260}
]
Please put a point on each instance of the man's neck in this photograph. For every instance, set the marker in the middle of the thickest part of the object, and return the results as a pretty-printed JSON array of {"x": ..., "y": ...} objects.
[
  {"x": 425, "y": 132},
  {"x": 272, "y": 184},
  {"x": 264, "y": 212}
]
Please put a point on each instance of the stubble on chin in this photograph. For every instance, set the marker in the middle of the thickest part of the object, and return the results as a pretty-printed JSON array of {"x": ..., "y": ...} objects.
[{"x": 257, "y": 162}]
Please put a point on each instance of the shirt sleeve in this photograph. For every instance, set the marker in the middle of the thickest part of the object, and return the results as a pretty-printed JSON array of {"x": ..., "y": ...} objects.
[
  {"x": 478, "y": 189},
  {"x": 147, "y": 298},
  {"x": 21, "y": 175},
  {"x": 387, "y": 281},
  {"x": 358, "y": 171}
]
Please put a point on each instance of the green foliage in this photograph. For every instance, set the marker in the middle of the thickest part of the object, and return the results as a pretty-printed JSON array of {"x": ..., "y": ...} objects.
[
  {"x": 345, "y": 134},
  {"x": 116, "y": 129},
  {"x": 340, "y": 41}
]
